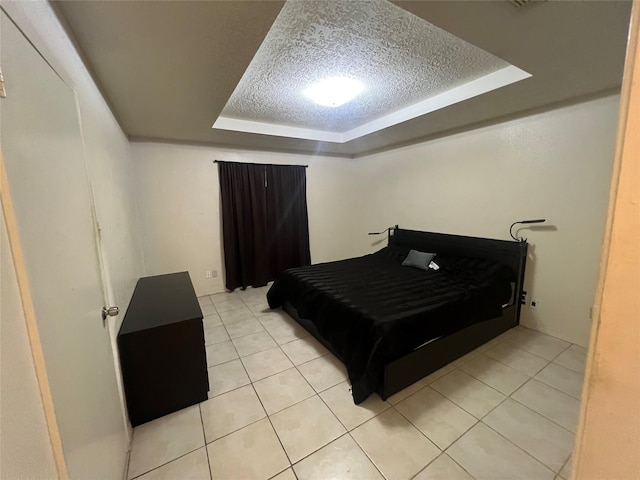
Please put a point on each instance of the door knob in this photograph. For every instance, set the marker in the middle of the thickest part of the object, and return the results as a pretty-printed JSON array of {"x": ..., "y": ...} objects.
[{"x": 109, "y": 312}]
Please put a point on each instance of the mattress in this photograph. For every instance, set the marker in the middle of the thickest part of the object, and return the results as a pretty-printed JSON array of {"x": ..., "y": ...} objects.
[{"x": 372, "y": 309}]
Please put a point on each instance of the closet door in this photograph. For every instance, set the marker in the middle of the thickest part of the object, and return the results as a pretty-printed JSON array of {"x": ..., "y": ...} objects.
[{"x": 51, "y": 199}]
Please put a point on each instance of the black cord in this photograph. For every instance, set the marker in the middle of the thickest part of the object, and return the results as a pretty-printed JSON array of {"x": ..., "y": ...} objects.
[{"x": 511, "y": 233}]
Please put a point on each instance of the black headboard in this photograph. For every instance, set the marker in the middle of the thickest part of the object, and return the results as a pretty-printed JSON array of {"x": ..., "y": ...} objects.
[
  {"x": 513, "y": 254},
  {"x": 508, "y": 252}
]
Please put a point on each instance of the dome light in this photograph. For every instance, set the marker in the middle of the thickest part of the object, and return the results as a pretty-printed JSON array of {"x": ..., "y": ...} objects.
[{"x": 334, "y": 91}]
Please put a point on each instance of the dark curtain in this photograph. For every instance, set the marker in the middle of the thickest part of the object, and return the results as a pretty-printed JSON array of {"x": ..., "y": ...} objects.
[
  {"x": 287, "y": 220},
  {"x": 265, "y": 227}
]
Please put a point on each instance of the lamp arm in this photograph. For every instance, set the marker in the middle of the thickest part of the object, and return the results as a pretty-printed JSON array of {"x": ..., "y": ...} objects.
[
  {"x": 538, "y": 220},
  {"x": 383, "y": 231}
]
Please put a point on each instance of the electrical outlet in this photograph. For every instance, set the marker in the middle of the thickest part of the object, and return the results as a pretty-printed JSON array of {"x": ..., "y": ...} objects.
[
  {"x": 214, "y": 274},
  {"x": 535, "y": 303},
  {"x": 207, "y": 274}
]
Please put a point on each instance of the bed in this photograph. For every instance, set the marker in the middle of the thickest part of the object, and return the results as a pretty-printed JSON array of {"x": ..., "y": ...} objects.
[{"x": 392, "y": 324}]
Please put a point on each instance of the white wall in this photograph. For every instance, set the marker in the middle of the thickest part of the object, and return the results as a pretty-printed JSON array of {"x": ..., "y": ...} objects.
[
  {"x": 106, "y": 147},
  {"x": 107, "y": 154},
  {"x": 555, "y": 165},
  {"x": 25, "y": 449},
  {"x": 178, "y": 198}
]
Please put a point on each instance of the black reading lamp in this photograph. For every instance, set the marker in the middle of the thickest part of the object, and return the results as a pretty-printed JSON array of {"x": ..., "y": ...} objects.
[
  {"x": 520, "y": 239},
  {"x": 386, "y": 230}
]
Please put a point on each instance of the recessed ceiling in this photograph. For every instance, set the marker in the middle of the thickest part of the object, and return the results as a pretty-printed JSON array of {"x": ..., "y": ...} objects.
[
  {"x": 407, "y": 66},
  {"x": 169, "y": 68}
]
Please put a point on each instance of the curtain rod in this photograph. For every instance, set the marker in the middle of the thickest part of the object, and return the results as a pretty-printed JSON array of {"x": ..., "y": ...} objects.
[{"x": 272, "y": 164}]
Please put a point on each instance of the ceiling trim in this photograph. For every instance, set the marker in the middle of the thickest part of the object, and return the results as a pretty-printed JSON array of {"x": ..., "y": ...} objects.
[
  {"x": 608, "y": 92},
  {"x": 425, "y": 138},
  {"x": 486, "y": 83},
  {"x": 264, "y": 128},
  {"x": 235, "y": 146}
]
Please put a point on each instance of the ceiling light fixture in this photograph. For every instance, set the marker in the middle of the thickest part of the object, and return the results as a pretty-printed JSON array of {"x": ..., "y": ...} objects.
[{"x": 334, "y": 91}]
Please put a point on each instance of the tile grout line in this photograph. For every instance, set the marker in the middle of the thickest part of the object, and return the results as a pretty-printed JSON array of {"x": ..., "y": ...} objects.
[
  {"x": 556, "y": 388},
  {"x": 481, "y": 420},
  {"x": 548, "y": 362},
  {"x": 392, "y": 407},
  {"x": 268, "y": 417},
  {"x": 490, "y": 386},
  {"x": 442, "y": 450},
  {"x": 533, "y": 377},
  {"x": 506, "y": 365},
  {"x": 478, "y": 380},
  {"x": 421, "y": 432},
  {"x": 530, "y": 376},
  {"x": 319, "y": 448},
  {"x": 363, "y": 450},
  {"x": 568, "y": 460},
  {"x": 299, "y": 401},
  {"x": 536, "y": 355},
  {"x": 167, "y": 462},
  {"x": 274, "y": 431},
  {"x": 580, "y": 372},
  {"x": 204, "y": 436},
  {"x": 236, "y": 430},
  {"x": 521, "y": 449},
  {"x": 542, "y": 415},
  {"x": 347, "y": 432}
]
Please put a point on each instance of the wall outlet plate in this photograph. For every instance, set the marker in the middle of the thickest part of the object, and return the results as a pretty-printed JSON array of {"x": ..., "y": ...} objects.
[
  {"x": 534, "y": 303},
  {"x": 207, "y": 274}
]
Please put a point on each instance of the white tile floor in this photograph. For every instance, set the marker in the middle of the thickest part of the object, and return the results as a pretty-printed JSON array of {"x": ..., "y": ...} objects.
[{"x": 280, "y": 408}]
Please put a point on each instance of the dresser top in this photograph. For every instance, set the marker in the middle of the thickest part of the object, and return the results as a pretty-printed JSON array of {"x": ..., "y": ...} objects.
[{"x": 161, "y": 300}]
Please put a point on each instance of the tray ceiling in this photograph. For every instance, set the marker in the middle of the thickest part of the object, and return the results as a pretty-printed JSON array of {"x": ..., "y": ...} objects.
[
  {"x": 401, "y": 60},
  {"x": 170, "y": 69}
]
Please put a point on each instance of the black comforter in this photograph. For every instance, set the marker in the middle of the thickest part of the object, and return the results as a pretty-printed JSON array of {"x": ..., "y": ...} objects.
[{"x": 372, "y": 309}]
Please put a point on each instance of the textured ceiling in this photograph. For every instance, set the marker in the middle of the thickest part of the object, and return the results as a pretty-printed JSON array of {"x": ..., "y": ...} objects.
[
  {"x": 400, "y": 58},
  {"x": 168, "y": 68}
]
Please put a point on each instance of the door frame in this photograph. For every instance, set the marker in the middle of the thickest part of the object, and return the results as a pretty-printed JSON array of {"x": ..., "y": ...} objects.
[
  {"x": 105, "y": 272},
  {"x": 608, "y": 437}
]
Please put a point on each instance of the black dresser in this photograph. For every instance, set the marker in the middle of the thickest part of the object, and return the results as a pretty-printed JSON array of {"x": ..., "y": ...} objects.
[{"x": 161, "y": 345}]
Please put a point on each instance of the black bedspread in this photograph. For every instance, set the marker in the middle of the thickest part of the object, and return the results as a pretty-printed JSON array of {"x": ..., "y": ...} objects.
[{"x": 372, "y": 309}]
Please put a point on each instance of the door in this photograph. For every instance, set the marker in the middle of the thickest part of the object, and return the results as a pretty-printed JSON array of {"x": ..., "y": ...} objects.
[{"x": 48, "y": 183}]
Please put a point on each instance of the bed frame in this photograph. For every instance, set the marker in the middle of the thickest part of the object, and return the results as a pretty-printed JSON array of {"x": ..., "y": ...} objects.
[{"x": 401, "y": 372}]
